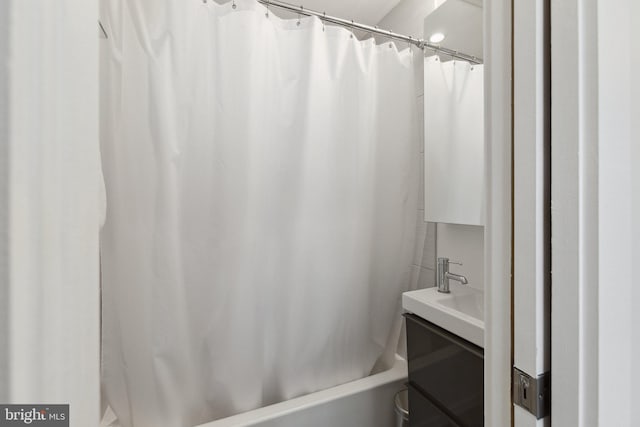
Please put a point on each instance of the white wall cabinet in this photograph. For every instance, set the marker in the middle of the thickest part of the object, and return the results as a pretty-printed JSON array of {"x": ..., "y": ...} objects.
[{"x": 454, "y": 142}]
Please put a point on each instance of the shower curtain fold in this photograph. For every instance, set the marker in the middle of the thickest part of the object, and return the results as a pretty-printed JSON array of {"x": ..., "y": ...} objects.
[{"x": 261, "y": 181}]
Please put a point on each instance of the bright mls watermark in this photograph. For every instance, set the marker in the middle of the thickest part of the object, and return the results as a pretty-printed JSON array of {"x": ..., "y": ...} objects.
[{"x": 34, "y": 415}]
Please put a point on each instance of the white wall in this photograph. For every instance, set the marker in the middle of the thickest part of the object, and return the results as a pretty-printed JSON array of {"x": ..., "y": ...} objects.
[
  {"x": 408, "y": 16},
  {"x": 635, "y": 191},
  {"x": 465, "y": 244},
  {"x": 50, "y": 219},
  {"x": 460, "y": 243},
  {"x": 4, "y": 207},
  {"x": 465, "y": 37},
  {"x": 617, "y": 220},
  {"x": 596, "y": 215}
]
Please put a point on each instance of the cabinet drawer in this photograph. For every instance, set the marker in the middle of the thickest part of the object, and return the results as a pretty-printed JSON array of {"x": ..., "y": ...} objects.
[
  {"x": 423, "y": 413},
  {"x": 448, "y": 369}
]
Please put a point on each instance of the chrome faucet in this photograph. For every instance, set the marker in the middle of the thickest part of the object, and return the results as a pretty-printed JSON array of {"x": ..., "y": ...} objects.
[{"x": 443, "y": 275}]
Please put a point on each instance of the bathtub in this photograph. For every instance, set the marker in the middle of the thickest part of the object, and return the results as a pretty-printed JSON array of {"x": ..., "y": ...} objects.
[{"x": 367, "y": 402}]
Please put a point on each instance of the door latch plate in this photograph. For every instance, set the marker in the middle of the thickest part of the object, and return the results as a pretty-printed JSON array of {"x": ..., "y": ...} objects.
[{"x": 532, "y": 394}]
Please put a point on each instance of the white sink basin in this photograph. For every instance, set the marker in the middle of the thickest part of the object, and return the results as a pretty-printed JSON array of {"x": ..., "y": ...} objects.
[{"x": 460, "y": 312}]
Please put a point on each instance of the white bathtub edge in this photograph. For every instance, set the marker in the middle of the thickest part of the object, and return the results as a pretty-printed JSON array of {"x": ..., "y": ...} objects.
[{"x": 266, "y": 413}]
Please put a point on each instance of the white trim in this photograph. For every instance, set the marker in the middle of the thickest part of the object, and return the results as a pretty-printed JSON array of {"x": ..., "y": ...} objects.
[
  {"x": 531, "y": 287},
  {"x": 498, "y": 138},
  {"x": 531, "y": 175},
  {"x": 574, "y": 304}
]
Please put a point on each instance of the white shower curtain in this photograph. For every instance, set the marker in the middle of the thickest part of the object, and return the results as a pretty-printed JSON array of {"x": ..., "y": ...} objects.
[{"x": 261, "y": 205}]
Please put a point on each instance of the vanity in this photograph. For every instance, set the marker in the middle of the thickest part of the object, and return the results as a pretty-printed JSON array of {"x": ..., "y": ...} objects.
[{"x": 445, "y": 334}]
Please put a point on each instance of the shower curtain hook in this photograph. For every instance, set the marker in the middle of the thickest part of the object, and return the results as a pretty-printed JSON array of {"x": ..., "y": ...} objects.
[
  {"x": 390, "y": 38},
  {"x": 233, "y": 4},
  {"x": 267, "y": 13},
  {"x": 301, "y": 9},
  {"x": 324, "y": 16}
]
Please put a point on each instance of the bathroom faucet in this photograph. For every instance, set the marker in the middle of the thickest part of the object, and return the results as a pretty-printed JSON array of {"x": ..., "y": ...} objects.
[{"x": 443, "y": 275}]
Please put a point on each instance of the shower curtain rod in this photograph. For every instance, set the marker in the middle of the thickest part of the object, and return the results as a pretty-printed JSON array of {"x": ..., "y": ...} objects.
[{"x": 422, "y": 44}]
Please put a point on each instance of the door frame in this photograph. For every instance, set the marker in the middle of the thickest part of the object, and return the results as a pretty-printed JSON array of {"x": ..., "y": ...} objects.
[
  {"x": 596, "y": 230},
  {"x": 498, "y": 229},
  {"x": 531, "y": 201}
]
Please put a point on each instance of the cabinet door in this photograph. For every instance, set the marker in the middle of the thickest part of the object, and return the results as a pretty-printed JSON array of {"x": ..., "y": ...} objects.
[
  {"x": 423, "y": 413},
  {"x": 454, "y": 138},
  {"x": 448, "y": 369}
]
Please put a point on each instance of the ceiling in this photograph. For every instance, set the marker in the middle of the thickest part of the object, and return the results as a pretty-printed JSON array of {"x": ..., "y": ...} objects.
[
  {"x": 461, "y": 22},
  {"x": 368, "y": 12}
]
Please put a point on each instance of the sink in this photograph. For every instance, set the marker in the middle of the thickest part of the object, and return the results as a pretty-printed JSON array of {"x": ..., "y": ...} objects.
[
  {"x": 471, "y": 304},
  {"x": 460, "y": 312}
]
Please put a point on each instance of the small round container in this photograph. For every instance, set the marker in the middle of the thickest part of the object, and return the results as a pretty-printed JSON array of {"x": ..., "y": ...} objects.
[{"x": 401, "y": 403}]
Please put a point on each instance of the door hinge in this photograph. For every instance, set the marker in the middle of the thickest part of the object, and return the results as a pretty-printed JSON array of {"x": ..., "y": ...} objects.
[{"x": 532, "y": 394}]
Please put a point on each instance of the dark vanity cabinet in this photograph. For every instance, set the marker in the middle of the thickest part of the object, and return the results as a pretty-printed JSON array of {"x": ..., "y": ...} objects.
[{"x": 446, "y": 377}]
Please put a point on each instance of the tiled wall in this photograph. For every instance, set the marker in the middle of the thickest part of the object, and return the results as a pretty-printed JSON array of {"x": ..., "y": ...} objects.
[
  {"x": 423, "y": 273},
  {"x": 407, "y": 18},
  {"x": 464, "y": 244}
]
